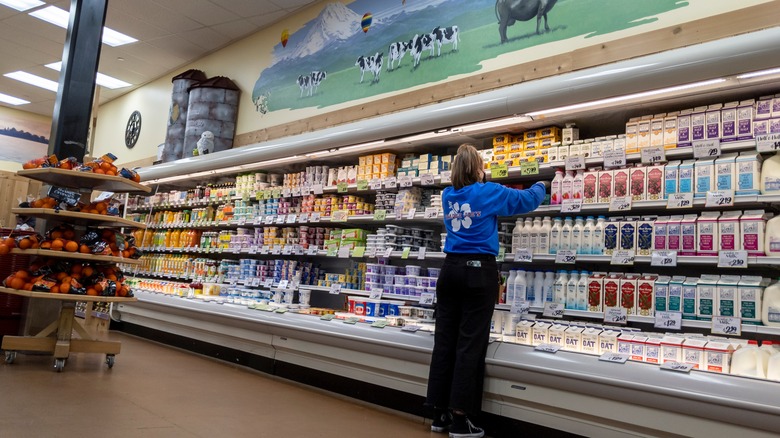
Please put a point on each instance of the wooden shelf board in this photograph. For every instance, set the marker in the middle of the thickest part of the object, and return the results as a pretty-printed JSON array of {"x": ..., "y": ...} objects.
[
  {"x": 74, "y": 255},
  {"x": 67, "y": 297},
  {"x": 76, "y": 217},
  {"x": 82, "y": 180}
]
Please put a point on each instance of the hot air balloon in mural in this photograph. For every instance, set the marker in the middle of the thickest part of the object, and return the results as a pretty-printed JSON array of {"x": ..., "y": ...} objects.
[
  {"x": 366, "y": 21},
  {"x": 285, "y": 37}
]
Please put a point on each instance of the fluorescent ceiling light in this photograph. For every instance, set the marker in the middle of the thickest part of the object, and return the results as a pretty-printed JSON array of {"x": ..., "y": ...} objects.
[
  {"x": 101, "y": 79},
  {"x": 21, "y": 5},
  {"x": 360, "y": 146},
  {"x": 33, "y": 80},
  {"x": 12, "y": 100},
  {"x": 60, "y": 17},
  {"x": 626, "y": 97},
  {"x": 759, "y": 73},
  {"x": 609, "y": 72},
  {"x": 499, "y": 123}
]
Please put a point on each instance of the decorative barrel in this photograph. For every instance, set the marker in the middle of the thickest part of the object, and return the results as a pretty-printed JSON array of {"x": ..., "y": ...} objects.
[
  {"x": 213, "y": 107},
  {"x": 177, "y": 116}
]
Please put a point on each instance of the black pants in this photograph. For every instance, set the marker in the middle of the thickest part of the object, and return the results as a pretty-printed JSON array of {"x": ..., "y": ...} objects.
[{"x": 465, "y": 300}]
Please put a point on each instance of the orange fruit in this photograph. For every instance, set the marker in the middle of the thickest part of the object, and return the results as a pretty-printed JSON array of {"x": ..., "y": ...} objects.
[
  {"x": 55, "y": 234},
  {"x": 28, "y": 286},
  {"x": 24, "y": 275},
  {"x": 65, "y": 288},
  {"x": 126, "y": 254},
  {"x": 25, "y": 244},
  {"x": 105, "y": 166},
  {"x": 98, "y": 287},
  {"x": 66, "y": 165},
  {"x": 122, "y": 291},
  {"x": 110, "y": 172},
  {"x": 91, "y": 291},
  {"x": 38, "y": 203},
  {"x": 66, "y": 279},
  {"x": 9, "y": 242},
  {"x": 68, "y": 234},
  {"x": 57, "y": 245},
  {"x": 84, "y": 249},
  {"x": 46, "y": 245},
  {"x": 111, "y": 277},
  {"x": 16, "y": 283},
  {"x": 71, "y": 246},
  {"x": 55, "y": 289},
  {"x": 76, "y": 269},
  {"x": 4, "y": 249},
  {"x": 99, "y": 171},
  {"x": 61, "y": 275},
  {"x": 88, "y": 271},
  {"x": 137, "y": 178}
]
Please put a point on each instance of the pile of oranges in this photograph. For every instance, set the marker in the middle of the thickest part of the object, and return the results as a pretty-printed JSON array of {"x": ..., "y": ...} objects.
[
  {"x": 95, "y": 208},
  {"x": 47, "y": 202},
  {"x": 101, "y": 166},
  {"x": 76, "y": 278}
]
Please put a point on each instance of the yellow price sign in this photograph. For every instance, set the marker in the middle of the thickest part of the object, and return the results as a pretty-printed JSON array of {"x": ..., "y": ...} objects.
[
  {"x": 362, "y": 185},
  {"x": 499, "y": 170},
  {"x": 529, "y": 167},
  {"x": 342, "y": 187}
]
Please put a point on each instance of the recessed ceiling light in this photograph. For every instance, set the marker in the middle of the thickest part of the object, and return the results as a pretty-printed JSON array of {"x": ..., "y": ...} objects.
[
  {"x": 12, "y": 100},
  {"x": 33, "y": 80},
  {"x": 101, "y": 79},
  {"x": 22, "y": 5},
  {"x": 60, "y": 17}
]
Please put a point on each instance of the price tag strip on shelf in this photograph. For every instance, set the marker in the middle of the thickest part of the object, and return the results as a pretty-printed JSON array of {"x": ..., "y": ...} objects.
[
  {"x": 524, "y": 255},
  {"x": 283, "y": 284},
  {"x": 664, "y": 259},
  {"x": 768, "y": 143},
  {"x": 680, "y": 200},
  {"x": 342, "y": 187},
  {"x": 576, "y": 162},
  {"x": 427, "y": 299},
  {"x": 566, "y": 256},
  {"x": 313, "y": 250},
  {"x": 404, "y": 181},
  {"x": 421, "y": 253},
  {"x": 548, "y": 348},
  {"x": 317, "y": 189},
  {"x": 375, "y": 184},
  {"x": 613, "y": 159},
  {"x": 677, "y": 366},
  {"x": 616, "y": 315},
  {"x": 344, "y": 252},
  {"x": 528, "y": 168},
  {"x": 411, "y": 213},
  {"x": 390, "y": 183},
  {"x": 498, "y": 170},
  {"x": 614, "y": 357},
  {"x": 335, "y": 288},
  {"x": 668, "y": 320},
  {"x": 431, "y": 213},
  {"x": 352, "y": 320},
  {"x": 553, "y": 310},
  {"x": 427, "y": 180},
  {"x": 379, "y": 324},
  {"x": 359, "y": 251},
  {"x": 501, "y": 255},
  {"x": 380, "y": 215},
  {"x": 446, "y": 177},
  {"x": 623, "y": 257},
  {"x": 732, "y": 259},
  {"x": 362, "y": 185},
  {"x": 328, "y": 317},
  {"x": 653, "y": 154},
  {"x": 620, "y": 203},
  {"x": 721, "y": 198},
  {"x": 726, "y": 325},
  {"x": 571, "y": 206},
  {"x": 706, "y": 148},
  {"x": 375, "y": 294}
]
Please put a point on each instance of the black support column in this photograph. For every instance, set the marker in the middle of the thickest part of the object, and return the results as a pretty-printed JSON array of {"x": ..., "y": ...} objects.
[{"x": 80, "y": 57}]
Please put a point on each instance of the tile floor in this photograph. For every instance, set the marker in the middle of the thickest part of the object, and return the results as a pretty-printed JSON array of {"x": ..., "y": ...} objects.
[{"x": 158, "y": 391}]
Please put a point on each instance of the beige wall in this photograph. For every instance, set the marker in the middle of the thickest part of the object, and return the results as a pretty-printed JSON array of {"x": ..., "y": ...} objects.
[{"x": 12, "y": 113}]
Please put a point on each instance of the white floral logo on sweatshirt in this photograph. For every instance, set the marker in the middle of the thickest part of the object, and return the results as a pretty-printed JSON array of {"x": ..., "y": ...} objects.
[{"x": 460, "y": 216}]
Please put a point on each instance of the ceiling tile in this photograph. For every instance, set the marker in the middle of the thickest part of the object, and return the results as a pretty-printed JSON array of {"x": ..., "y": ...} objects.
[
  {"x": 154, "y": 14},
  {"x": 294, "y": 4},
  {"x": 236, "y": 29},
  {"x": 202, "y": 11},
  {"x": 247, "y": 8},
  {"x": 177, "y": 45},
  {"x": 153, "y": 55},
  {"x": 206, "y": 38},
  {"x": 266, "y": 19},
  {"x": 138, "y": 28},
  {"x": 40, "y": 28}
]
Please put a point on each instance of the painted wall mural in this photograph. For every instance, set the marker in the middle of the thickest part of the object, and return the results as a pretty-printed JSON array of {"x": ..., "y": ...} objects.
[
  {"x": 22, "y": 139},
  {"x": 371, "y": 47}
]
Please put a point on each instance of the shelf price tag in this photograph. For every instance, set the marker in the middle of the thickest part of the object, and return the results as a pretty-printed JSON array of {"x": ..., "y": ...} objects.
[
  {"x": 265, "y": 249},
  {"x": 620, "y": 203},
  {"x": 576, "y": 162},
  {"x": 721, "y": 198},
  {"x": 315, "y": 217},
  {"x": 411, "y": 213},
  {"x": 501, "y": 255},
  {"x": 768, "y": 143},
  {"x": 553, "y": 310},
  {"x": 726, "y": 325},
  {"x": 380, "y": 215},
  {"x": 732, "y": 259},
  {"x": 344, "y": 252},
  {"x": 317, "y": 189},
  {"x": 653, "y": 154},
  {"x": 253, "y": 249},
  {"x": 339, "y": 216},
  {"x": 362, "y": 185},
  {"x": 379, "y": 324},
  {"x": 390, "y": 183},
  {"x": 352, "y": 320},
  {"x": 520, "y": 307},
  {"x": 664, "y": 258},
  {"x": 677, "y": 366},
  {"x": 292, "y": 218},
  {"x": 405, "y": 253},
  {"x": 623, "y": 257},
  {"x": 668, "y": 320},
  {"x": 342, "y": 187},
  {"x": 615, "y": 158},
  {"x": 371, "y": 252},
  {"x": 431, "y": 213},
  {"x": 335, "y": 288},
  {"x": 530, "y": 167},
  {"x": 524, "y": 255},
  {"x": 498, "y": 170},
  {"x": 280, "y": 219},
  {"x": 328, "y": 317},
  {"x": 548, "y": 348},
  {"x": 286, "y": 193},
  {"x": 286, "y": 250},
  {"x": 680, "y": 200},
  {"x": 566, "y": 256},
  {"x": 388, "y": 252},
  {"x": 332, "y": 251},
  {"x": 296, "y": 191},
  {"x": 359, "y": 251},
  {"x": 269, "y": 219},
  {"x": 427, "y": 299},
  {"x": 614, "y": 357},
  {"x": 421, "y": 253},
  {"x": 283, "y": 284},
  {"x": 616, "y": 315},
  {"x": 313, "y": 250},
  {"x": 446, "y": 177},
  {"x": 375, "y": 294},
  {"x": 276, "y": 250},
  {"x": 571, "y": 206},
  {"x": 255, "y": 282},
  {"x": 303, "y": 218},
  {"x": 410, "y": 328},
  {"x": 706, "y": 148},
  {"x": 427, "y": 180},
  {"x": 405, "y": 181},
  {"x": 375, "y": 184}
]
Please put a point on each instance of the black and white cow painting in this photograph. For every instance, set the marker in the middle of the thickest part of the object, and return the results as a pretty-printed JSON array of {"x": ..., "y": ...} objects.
[
  {"x": 372, "y": 64},
  {"x": 446, "y": 35},
  {"x": 304, "y": 83},
  {"x": 396, "y": 52},
  {"x": 420, "y": 43},
  {"x": 316, "y": 79}
]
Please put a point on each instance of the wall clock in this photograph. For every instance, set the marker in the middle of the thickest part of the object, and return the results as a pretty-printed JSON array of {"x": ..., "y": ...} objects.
[{"x": 133, "y": 129}]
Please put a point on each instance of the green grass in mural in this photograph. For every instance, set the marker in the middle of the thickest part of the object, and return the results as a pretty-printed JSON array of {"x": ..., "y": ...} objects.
[{"x": 479, "y": 41}]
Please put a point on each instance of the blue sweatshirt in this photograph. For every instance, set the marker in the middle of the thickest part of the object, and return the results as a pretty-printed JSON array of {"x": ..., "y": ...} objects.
[{"x": 471, "y": 214}]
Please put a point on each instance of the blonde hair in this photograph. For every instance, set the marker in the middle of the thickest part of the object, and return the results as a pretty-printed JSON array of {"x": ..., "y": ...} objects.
[{"x": 466, "y": 166}]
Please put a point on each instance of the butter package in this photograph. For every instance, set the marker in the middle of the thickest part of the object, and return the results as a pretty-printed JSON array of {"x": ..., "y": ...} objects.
[
  {"x": 728, "y": 122},
  {"x": 643, "y": 134},
  {"x": 552, "y": 153},
  {"x": 662, "y": 293},
  {"x": 502, "y": 139},
  {"x": 670, "y": 131},
  {"x": 712, "y": 120},
  {"x": 689, "y": 297},
  {"x": 745, "y": 119},
  {"x": 532, "y": 145},
  {"x": 693, "y": 352},
  {"x": 705, "y": 176},
  {"x": 699, "y": 123},
  {"x": 726, "y": 303},
  {"x": 632, "y": 134},
  {"x": 531, "y": 135},
  {"x": 706, "y": 292},
  {"x": 684, "y": 135},
  {"x": 550, "y": 132},
  {"x": 671, "y": 178},
  {"x": 657, "y": 130},
  {"x": 618, "y": 143},
  {"x": 590, "y": 340},
  {"x": 573, "y": 338}
]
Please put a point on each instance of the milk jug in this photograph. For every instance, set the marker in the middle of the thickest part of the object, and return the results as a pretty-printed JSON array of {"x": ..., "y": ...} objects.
[
  {"x": 597, "y": 247},
  {"x": 576, "y": 234},
  {"x": 571, "y": 290},
  {"x": 773, "y": 367},
  {"x": 770, "y": 175},
  {"x": 772, "y": 237},
  {"x": 566, "y": 232},
  {"x": 559, "y": 288},
  {"x": 525, "y": 234},
  {"x": 544, "y": 236},
  {"x": 556, "y": 195},
  {"x": 567, "y": 184},
  {"x": 538, "y": 289},
  {"x": 547, "y": 288},
  {"x": 582, "y": 291},
  {"x": 533, "y": 241},
  {"x": 520, "y": 287},
  {"x": 770, "y": 312},
  {"x": 555, "y": 236},
  {"x": 510, "y": 287},
  {"x": 516, "y": 232},
  {"x": 749, "y": 361},
  {"x": 587, "y": 235}
]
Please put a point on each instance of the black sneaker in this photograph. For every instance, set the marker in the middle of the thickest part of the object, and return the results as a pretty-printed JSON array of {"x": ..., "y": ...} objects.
[
  {"x": 441, "y": 421},
  {"x": 462, "y": 427}
]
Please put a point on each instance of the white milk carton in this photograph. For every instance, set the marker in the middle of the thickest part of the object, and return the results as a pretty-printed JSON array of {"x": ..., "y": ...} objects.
[
  {"x": 628, "y": 292},
  {"x": 670, "y": 131},
  {"x": 763, "y": 108},
  {"x": 705, "y": 177},
  {"x": 752, "y": 227},
  {"x": 689, "y": 290},
  {"x": 563, "y": 152},
  {"x": 596, "y": 292},
  {"x": 539, "y": 333},
  {"x": 712, "y": 120},
  {"x": 524, "y": 332},
  {"x": 643, "y": 134},
  {"x": 657, "y": 130},
  {"x": 693, "y": 352},
  {"x": 718, "y": 356},
  {"x": 684, "y": 134},
  {"x": 688, "y": 235},
  {"x": 728, "y": 121},
  {"x": 586, "y": 148},
  {"x": 638, "y": 348},
  {"x": 748, "y": 173},
  {"x": 573, "y": 338},
  {"x": 608, "y": 341},
  {"x": 750, "y": 290},
  {"x": 644, "y": 235},
  {"x": 726, "y": 172},
  {"x": 638, "y": 183},
  {"x": 706, "y": 292},
  {"x": 671, "y": 178},
  {"x": 624, "y": 343},
  {"x": 655, "y": 182},
  {"x": 745, "y": 119},
  {"x": 575, "y": 149},
  {"x": 685, "y": 176},
  {"x": 726, "y": 300},
  {"x": 707, "y": 234},
  {"x": 555, "y": 335},
  {"x": 673, "y": 233},
  {"x": 699, "y": 123},
  {"x": 590, "y": 340},
  {"x": 596, "y": 149},
  {"x": 729, "y": 237},
  {"x": 618, "y": 143},
  {"x": 671, "y": 348},
  {"x": 645, "y": 295},
  {"x": 653, "y": 348},
  {"x": 659, "y": 233},
  {"x": 632, "y": 134},
  {"x": 662, "y": 293}
]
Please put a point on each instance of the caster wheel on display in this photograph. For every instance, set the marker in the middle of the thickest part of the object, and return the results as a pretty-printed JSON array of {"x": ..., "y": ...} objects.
[
  {"x": 59, "y": 364},
  {"x": 10, "y": 357},
  {"x": 110, "y": 361}
]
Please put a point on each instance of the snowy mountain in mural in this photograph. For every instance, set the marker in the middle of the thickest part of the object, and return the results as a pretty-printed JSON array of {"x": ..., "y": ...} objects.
[{"x": 335, "y": 23}]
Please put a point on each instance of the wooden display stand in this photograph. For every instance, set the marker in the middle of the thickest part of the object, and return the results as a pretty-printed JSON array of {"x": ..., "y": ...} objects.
[{"x": 57, "y": 337}]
